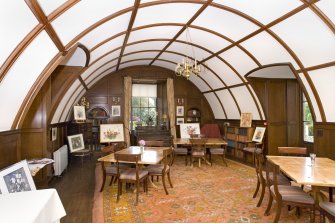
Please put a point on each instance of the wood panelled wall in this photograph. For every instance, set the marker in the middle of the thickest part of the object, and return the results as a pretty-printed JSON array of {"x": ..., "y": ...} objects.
[{"x": 281, "y": 101}]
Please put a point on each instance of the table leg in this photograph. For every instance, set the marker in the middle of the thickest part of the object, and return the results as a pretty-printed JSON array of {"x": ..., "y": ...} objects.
[
  {"x": 152, "y": 183},
  {"x": 317, "y": 195}
]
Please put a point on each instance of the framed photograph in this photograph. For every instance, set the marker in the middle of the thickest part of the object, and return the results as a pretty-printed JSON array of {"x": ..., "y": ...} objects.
[
  {"x": 79, "y": 113},
  {"x": 180, "y": 121},
  {"x": 53, "y": 134},
  {"x": 116, "y": 110},
  {"x": 16, "y": 178},
  {"x": 76, "y": 142},
  {"x": 246, "y": 119},
  {"x": 258, "y": 134},
  {"x": 111, "y": 133},
  {"x": 180, "y": 111},
  {"x": 188, "y": 129}
]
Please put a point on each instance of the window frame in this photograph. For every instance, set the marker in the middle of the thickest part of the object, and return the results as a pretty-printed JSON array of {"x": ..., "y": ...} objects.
[{"x": 305, "y": 137}]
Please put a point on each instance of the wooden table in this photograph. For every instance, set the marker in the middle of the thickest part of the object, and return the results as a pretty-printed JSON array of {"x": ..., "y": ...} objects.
[{"x": 299, "y": 169}]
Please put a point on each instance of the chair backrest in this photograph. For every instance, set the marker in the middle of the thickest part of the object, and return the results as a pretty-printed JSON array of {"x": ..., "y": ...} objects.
[
  {"x": 272, "y": 171},
  {"x": 292, "y": 151},
  {"x": 168, "y": 157},
  {"x": 131, "y": 158},
  {"x": 198, "y": 143},
  {"x": 259, "y": 160},
  {"x": 154, "y": 143}
]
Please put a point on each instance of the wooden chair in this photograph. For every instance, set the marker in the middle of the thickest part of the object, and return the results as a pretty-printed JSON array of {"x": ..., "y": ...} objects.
[
  {"x": 163, "y": 170},
  {"x": 198, "y": 149},
  {"x": 286, "y": 195},
  {"x": 111, "y": 171},
  {"x": 253, "y": 146},
  {"x": 218, "y": 152},
  {"x": 327, "y": 209},
  {"x": 261, "y": 177},
  {"x": 134, "y": 175},
  {"x": 292, "y": 151}
]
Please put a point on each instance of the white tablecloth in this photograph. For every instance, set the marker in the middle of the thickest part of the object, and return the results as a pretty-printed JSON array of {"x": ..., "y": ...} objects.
[{"x": 39, "y": 206}]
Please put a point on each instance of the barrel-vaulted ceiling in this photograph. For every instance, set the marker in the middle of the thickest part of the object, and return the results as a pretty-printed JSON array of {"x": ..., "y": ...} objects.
[{"x": 229, "y": 37}]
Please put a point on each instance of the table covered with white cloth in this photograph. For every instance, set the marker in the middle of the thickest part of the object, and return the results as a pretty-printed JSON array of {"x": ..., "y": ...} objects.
[{"x": 38, "y": 206}]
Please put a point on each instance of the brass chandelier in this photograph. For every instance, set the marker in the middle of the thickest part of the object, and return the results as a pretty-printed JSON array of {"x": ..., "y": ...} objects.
[{"x": 188, "y": 65}]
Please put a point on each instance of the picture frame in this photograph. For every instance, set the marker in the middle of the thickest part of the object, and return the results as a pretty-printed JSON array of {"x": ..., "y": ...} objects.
[
  {"x": 188, "y": 129},
  {"x": 53, "y": 134},
  {"x": 180, "y": 121},
  {"x": 246, "y": 119},
  {"x": 76, "y": 142},
  {"x": 79, "y": 113},
  {"x": 16, "y": 178},
  {"x": 111, "y": 133},
  {"x": 258, "y": 134},
  {"x": 180, "y": 111},
  {"x": 116, "y": 110}
]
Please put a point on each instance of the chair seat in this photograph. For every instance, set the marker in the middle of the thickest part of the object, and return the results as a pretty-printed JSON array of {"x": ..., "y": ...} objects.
[
  {"x": 181, "y": 151},
  {"x": 293, "y": 194},
  {"x": 217, "y": 151},
  {"x": 131, "y": 174},
  {"x": 329, "y": 207},
  {"x": 282, "y": 180},
  {"x": 156, "y": 169},
  {"x": 83, "y": 152},
  {"x": 251, "y": 149},
  {"x": 196, "y": 153},
  {"x": 111, "y": 170}
]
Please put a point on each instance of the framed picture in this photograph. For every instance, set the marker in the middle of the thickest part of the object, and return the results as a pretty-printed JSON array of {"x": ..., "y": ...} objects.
[
  {"x": 76, "y": 142},
  {"x": 53, "y": 134},
  {"x": 246, "y": 119},
  {"x": 116, "y": 110},
  {"x": 111, "y": 133},
  {"x": 16, "y": 178},
  {"x": 258, "y": 134},
  {"x": 180, "y": 111},
  {"x": 79, "y": 113},
  {"x": 180, "y": 121},
  {"x": 187, "y": 129}
]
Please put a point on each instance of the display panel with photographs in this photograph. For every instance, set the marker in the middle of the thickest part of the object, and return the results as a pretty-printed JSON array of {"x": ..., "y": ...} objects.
[
  {"x": 16, "y": 178},
  {"x": 188, "y": 129},
  {"x": 111, "y": 133}
]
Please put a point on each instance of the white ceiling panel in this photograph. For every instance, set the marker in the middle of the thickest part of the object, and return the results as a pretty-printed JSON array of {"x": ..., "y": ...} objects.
[
  {"x": 267, "y": 50},
  {"x": 157, "y": 32},
  {"x": 63, "y": 103},
  {"x": 199, "y": 83},
  {"x": 22, "y": 75},
  {"x": 100, "y": 70},
  {"x": 78, "y": 58},
  {"x": 106, "y": 30},
  {"x": 49, "y": 6},
  {"x": 264, "y": 11},
  {"x": 150, "y": 45},
  {"x": 93, "y": 67},
  {"x": 16, "y": 21},
  {"x": 311, "y": 96},
  {"x": 139, "y": 56},
  {"x": 324, "y": 82},
  {"x": 172, "y": 57},
  {"x": 223, "y": 71},
  {"x": 245, "y": 101},
  {"x": 94, "y": 78},
  {"x": 68, "y": 110},
  {"x": 229, "y": 104},
  {"x": 226, "y": 23},
  {"x": 213, "y": 81},
  {"x": 239, "y": 60},
  {"x": 84, "y": 14},
  {"x": 258, "y": 103},
  {"x": 189, "y": 50},
  {"x": 328, "y": 8},
  {"x": 306, "y": 34},
  {"x": 107, "y": 47},
  {"x": 280, "y": 71},
  {"x": 134, "y": 63},
  {"x": 214, "y": 43},
  {"x": 165, "y": 64},
  {"x": 166, "y": 13},
  {"x": 215, "y": 106}
]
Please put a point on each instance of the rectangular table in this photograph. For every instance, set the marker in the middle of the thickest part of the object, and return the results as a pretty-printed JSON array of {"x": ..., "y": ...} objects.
[{"x": 299, "y": 169}]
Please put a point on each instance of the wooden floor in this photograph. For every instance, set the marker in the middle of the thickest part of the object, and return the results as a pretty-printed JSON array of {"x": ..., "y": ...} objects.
[{"x": 76, "y": 189}]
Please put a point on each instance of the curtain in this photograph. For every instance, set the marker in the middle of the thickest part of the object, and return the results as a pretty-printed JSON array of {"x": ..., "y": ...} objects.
[
  {"x": 171, "y": 106},
  {"x": 127, "y": 108}
]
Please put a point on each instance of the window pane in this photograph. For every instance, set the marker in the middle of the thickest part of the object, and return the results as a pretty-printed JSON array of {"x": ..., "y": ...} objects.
[
  {"x": 152, "y": 102},
  {"x": 144, "y": 102},
  {"x": 135, "y": 102},
  {"x": 307, "y": 112},
  {"x": 308, "y": 132}
]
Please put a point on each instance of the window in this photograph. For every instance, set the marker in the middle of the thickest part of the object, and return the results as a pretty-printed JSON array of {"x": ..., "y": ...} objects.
[
  {"x": 307, "y": 121},
  {"x": 144, "y": 105}
]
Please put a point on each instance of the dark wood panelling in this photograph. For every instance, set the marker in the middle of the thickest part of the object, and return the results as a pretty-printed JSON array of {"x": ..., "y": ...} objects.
[
  {"x": 324, "y": 139},
  {"x": 10, "y": 148}
]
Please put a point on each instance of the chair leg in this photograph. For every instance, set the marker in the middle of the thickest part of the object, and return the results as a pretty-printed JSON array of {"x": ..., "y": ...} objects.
[
  {"x": 210, "y": 158},
  {"x": 119, "y": 189},
  {"x": 257, "y": 188},
  {"x": 112, "y": 179},
  {"x": 224, "y": 159},
  {"x": 137, "y": 191},
  {"x": 262, "y": 196},
  {"x": 330, "y": 194},
  {"x": 278, "y": 212},
  {"x": 103, "y": 177},
  {"x": 169, "y": 178},
  {"x": 267, "y": 211},
  {"x": 199, "y": 162},
  {"x": 166, "y": 192}
]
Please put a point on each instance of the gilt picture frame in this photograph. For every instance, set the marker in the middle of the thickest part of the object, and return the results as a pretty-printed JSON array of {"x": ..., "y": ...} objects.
[
  {"x": 16, "y": 178},
  {"x": 180, "y": 111},
  {"x": 116, "y": 110},
  {"x": 76, "y": 142},
  {"x": 111, "y": 133}
]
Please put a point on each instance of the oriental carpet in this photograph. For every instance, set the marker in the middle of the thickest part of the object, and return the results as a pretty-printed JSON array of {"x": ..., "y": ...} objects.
[{"x": 211, "y": 194}]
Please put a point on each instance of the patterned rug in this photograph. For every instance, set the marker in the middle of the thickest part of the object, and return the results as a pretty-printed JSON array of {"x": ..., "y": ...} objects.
[{"x": 207, "y": 194}]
